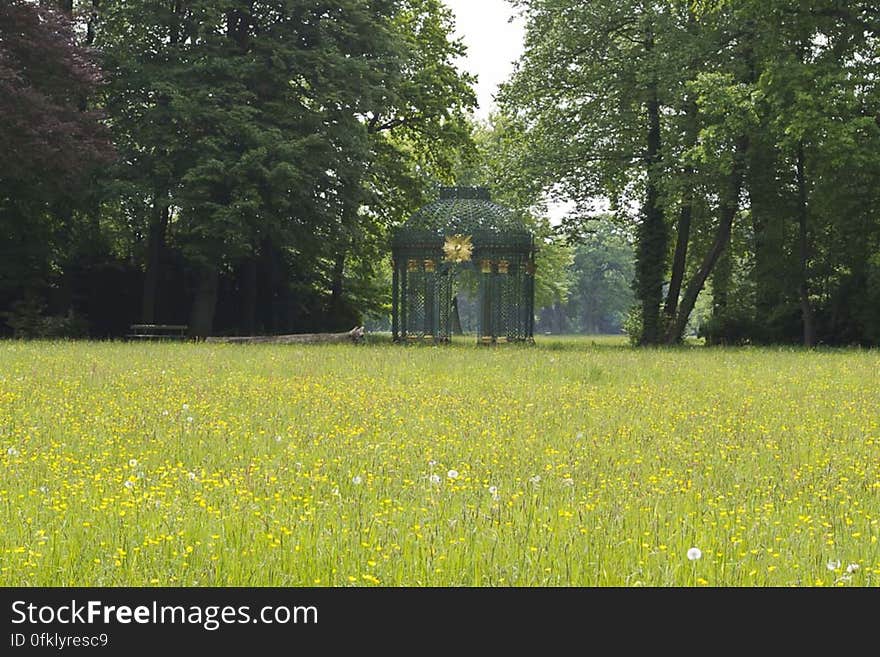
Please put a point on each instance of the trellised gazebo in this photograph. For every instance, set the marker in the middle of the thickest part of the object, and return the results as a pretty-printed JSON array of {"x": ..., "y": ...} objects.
[{"x": 461, "y": 230}]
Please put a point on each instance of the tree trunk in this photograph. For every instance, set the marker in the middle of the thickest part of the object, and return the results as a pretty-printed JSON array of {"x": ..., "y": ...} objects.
[
  {"x": 721, "y": 284},
  {"x": 651, "y": 246},
  {"x": 679, "y": 260},
  {"x": 337, "y": 285},
  {"x": 354, "y": 335},
  {"x": 685, "y": 216},
  {"x": 804, "y": 252},
  {"x": 201, "y": 320},
  {"x": 249, "y": 296},
  {"x": 155, "y": 249},
  {"x": 456, "y": 317},
  {"x": 722, "y": 237},
  {"x": 90, "y": 23}
]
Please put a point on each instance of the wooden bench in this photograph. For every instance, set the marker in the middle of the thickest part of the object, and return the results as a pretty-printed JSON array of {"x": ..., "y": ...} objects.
[{"x": 158, "y": 332}]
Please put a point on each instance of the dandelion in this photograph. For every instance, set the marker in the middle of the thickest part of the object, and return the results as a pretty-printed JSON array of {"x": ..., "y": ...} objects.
[
  {"x": 189, "y": 419},
  {"x": 432, "y": 463},
  {"x": 44, "y": 489},
  {"x": 853, "y": 567},
  {"x": 186, "y": 407},
  {"x": 129, "y": 484},
  {"x": 535, "y": 479},
  {"x": 12, "y": 451},
  {"x": 833, "y": 564},
  {"x": 694, "y": 554},
  {"x": 132, "y": 463},
  {"x": 357, "y": 480},
  {"x": 191, "y": 476},
  {"x": 435, "y": 479},
  {"x": 493, "y": 490},
  {"x": 452, "y": 474},
  {"x": 568, "y": 481},
  {"x": 277, "y": 439},
  {"x": 335, "y": 491}
]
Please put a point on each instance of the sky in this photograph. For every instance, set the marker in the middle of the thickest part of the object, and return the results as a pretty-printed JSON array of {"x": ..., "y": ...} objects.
[{"x": 493, "y": 44}]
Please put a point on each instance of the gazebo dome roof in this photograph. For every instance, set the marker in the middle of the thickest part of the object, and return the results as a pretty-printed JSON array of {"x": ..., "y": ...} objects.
[{"x": 464, "y": 210}]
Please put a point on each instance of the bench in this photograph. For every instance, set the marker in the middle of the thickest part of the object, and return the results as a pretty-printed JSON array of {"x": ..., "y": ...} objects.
[{"x": 158, "y": 332}]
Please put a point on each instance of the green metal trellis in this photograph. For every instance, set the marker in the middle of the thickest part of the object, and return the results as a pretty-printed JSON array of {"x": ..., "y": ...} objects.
[{"x": 463, "y": 228}]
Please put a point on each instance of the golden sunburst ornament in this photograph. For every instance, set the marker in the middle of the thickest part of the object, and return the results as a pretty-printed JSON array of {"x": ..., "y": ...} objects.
[{"x": 458, "y": 248}]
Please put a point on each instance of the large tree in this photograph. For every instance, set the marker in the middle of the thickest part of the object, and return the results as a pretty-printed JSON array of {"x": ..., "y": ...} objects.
[{"x": 50, "y": 142}]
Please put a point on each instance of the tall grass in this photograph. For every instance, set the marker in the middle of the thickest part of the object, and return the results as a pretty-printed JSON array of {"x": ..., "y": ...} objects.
[{"x": 574, "y": 462}]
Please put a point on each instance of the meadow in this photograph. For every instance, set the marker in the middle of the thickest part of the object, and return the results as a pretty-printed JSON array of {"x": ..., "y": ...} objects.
[{"x": 573, "y": 462}]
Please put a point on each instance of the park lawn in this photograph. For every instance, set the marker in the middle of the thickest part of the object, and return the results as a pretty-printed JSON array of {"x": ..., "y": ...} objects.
[{"x": 573, "y": 462}]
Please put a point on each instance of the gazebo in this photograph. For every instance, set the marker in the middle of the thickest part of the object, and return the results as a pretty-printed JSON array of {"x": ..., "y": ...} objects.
[{"x": 461, "y": 230}]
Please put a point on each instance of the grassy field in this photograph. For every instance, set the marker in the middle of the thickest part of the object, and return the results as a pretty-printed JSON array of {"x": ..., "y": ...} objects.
[{"x": 575, "y": 462}]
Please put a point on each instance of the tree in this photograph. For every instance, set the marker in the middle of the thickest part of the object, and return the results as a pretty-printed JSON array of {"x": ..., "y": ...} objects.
[
  {"x": 50, "y": 142},
  {"x": 602, "y": 273}
]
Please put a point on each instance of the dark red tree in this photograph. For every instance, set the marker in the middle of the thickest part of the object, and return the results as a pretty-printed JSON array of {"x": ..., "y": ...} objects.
[{"x": 48, "y": 137}]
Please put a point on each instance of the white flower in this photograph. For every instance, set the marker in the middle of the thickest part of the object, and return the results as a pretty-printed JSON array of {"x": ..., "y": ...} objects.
[
  {"x": 435, "y": 479},
  {"x": 12, "y": 451},
  {"x": 579, "y": 436},
  {"x": 357, "y": 480},
  {"x": 694, "y": 553},
  {"x": 191, "y": 475},
  {"x": 132, "y": 463},
  {"x": 164, "y": 412},
  {"x": 335, "y": 491},
  {"x": 189, "y": 418},
  {"x": 535, "y": 479},
  {"x": 277, "y": 439},
  {"x": 452, "y": 474},
  {"x": 432, "y": 463},
  {"x": 853, "y": 567},
  {"x": 568, "y": 481},
  {"x": 44, "y": 489},
  {"x": 129, "y": 484},
  {"x": 833, "y": 564},
  {"x": 493, "y": 490},
  {"x": 186, "y": 407}
]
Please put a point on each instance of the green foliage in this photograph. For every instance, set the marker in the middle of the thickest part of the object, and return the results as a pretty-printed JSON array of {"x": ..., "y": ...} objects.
[{"x": 768, "y": 122}]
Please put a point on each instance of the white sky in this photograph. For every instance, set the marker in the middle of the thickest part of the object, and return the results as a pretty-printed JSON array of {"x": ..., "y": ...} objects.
[{"x": 493, "y": 44}]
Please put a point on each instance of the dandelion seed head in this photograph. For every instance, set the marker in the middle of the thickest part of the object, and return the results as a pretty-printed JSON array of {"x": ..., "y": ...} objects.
[
  {"x": 357, "y": 480},
  {"x": 694, "y": 554},
  {"x": 132, "y": 463},
  {"x": 833, "y": 564},
  {"x": 452, "y": 474},
  {"x": 435, "y": 479}
]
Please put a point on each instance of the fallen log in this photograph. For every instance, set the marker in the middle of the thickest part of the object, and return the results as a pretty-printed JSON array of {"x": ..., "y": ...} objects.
[{"x": 354, "y": 335}]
